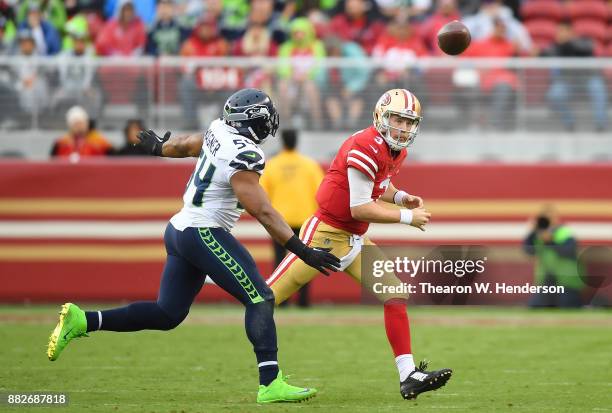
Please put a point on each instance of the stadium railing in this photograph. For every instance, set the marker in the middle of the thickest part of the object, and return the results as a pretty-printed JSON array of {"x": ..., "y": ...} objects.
[{"x": 525, "y": 94}]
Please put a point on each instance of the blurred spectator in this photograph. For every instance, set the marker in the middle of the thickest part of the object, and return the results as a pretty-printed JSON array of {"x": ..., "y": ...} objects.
[
  {"x": 304, "y": 7},
  {"x": 499, "y": 85},
  {"x": 205, "y": 40},
  {"x": 53, "y": 10},
  {"x": 85, "y": 15},
  {"x": 144, "y": 9},
  {"x": 300, "y": 71},
  {"x": 263, "y": 14},
  {"x": 446, "y": 11},
  {"x": 398, "y": 48},
  {"x": 77, "y": 26},
  {"x": 357, "y": 23},
  {"x": 288, "y": 8},
  {"x": 257, "y": 43},
  {"x": 291, "y": 181},
  {"x": 123, "y": 35},
  {"x": 469, "y": 7},
  {"x": 319, "y": 20},
  {"x": 6, "y": 46},
  {"x": 130, "y": 132},
  {"x": 32, "y": 86},
  {"x": 46, "y": 37},
  {"x": 515, "y": 7},
  {"x": 8, "y": 94},
  {"x": 389, "y": 9},
  {"x": 77, "y": 78},
  {"x": 7, "y": 9},
  {"x": 74, "y": 7},
  {"x": 343, "y": 89},
  {"x": 231, "y": 15},
  {"x": 564, "y": 81},
  {"x": 234, "y": 18},
  {"x": 166, "y": 36},
  {"x": 555, "y": 250},
  {"x": 80, "y": 140},
  {"x": 208, "y": 84},
  {"x": 189, "y": 12},
  {"x": 482, "y": 25},
  {"x": 7, "y": 12}
]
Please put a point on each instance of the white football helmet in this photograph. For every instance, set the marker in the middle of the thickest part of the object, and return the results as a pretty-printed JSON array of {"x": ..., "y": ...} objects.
[{"x": 403, "y": 103}]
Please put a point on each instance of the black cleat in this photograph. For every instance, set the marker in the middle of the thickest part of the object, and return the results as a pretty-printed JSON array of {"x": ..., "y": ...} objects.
[{"x": 420, "y": 381}]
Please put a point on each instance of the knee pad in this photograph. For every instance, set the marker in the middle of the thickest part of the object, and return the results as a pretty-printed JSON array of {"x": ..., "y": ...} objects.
[
  {"x": 260, "y": 328},
  {"x": 267, "y": 294},
  {"x": 267, "y": 305}
]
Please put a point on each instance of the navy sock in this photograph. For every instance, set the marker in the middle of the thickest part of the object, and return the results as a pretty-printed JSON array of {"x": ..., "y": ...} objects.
[
  {"x": 261, "y": 331},
  {"x": 93, "y": 320},
  {"x": 267, "y": 373},
  {"x": 144, "y": 315}
]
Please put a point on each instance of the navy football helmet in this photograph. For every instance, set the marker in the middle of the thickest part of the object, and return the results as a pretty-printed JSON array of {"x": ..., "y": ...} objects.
[{"x": 252, "y": 113}]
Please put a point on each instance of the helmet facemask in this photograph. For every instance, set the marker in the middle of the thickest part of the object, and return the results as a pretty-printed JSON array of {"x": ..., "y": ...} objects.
[{"x": 403, "y": 137}]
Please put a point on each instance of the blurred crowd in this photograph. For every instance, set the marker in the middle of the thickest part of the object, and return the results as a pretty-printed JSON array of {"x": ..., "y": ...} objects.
[
  {"x": 301, "y": 33},
  {"x": 82, "y": 139}
]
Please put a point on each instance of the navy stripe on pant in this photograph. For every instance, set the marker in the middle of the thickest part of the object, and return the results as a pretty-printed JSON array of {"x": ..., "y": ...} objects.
[
  {"x": 216, "y": 253},
  {"x": 193, "y": 254}
]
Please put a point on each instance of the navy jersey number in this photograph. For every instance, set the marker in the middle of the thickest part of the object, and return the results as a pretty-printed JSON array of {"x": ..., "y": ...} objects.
[{"x": 202, "y": 183}]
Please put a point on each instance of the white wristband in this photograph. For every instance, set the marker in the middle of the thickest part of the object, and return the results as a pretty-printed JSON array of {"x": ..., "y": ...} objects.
[
  {"x": 398, "y": 197},
  {"x": 405, "y": 216}
]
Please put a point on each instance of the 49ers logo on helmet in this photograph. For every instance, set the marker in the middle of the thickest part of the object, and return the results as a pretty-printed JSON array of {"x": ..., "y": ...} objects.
[{"x": 385, "y": 99}]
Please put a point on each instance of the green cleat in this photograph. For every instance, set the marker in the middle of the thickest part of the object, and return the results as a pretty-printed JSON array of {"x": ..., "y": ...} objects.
[
  {"x": 280, "y": 391},
  {"x": 72, "y": 324}
]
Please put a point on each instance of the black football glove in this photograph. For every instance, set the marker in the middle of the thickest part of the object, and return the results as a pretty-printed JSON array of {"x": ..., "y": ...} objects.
[
  {"x": 151, "y": 142},
  {"x": 316, "y": 258}
]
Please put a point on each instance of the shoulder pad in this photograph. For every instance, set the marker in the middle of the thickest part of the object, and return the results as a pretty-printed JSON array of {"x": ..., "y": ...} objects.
[{"x": 248, "y": 160}]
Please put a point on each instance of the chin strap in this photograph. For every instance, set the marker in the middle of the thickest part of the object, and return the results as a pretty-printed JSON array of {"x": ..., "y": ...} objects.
[{"x": 254, "y": 136}]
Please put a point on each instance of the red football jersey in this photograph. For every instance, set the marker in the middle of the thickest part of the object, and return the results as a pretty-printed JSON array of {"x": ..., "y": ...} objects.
[{"x": 367, "y": 152}]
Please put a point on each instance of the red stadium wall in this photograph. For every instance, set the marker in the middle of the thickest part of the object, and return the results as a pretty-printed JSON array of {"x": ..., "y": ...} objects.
[{"x": 93, "y": 230}]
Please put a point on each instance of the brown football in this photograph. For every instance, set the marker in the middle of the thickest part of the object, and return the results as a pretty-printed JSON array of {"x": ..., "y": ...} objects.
[{"x": 454, "y": 38}]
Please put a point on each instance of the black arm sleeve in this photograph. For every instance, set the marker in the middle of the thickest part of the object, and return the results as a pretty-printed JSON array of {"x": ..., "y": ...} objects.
[{"x": 296, "y": 246}]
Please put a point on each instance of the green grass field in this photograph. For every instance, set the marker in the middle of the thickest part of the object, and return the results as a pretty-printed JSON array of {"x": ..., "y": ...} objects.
[{"x": 510, "y": 360}]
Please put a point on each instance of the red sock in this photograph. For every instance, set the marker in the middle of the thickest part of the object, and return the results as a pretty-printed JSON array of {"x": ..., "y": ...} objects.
[{"x": 397, "y": 327}]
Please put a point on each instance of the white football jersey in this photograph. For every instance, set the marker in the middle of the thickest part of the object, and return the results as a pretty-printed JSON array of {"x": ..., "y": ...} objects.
[{"x": 209, "y": 199}]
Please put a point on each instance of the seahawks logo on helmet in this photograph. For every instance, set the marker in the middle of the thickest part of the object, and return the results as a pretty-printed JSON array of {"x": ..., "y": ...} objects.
[{"x": 257, "y": 111}]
